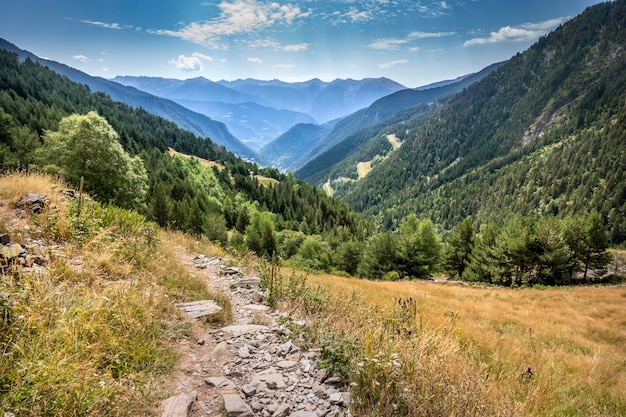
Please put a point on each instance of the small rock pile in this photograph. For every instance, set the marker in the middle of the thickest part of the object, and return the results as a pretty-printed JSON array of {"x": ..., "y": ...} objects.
[
  {"x": 271, "y": 376},
  {"x": 14, "y": 256},
  {"x": 261, "y": 370}
]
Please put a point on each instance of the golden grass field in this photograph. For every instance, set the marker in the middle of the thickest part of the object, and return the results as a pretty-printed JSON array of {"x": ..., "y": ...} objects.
[{"x": 573, "y": 338}]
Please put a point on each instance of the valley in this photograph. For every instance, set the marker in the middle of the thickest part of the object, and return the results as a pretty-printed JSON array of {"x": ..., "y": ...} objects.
[{"x": 451, "y": 249}]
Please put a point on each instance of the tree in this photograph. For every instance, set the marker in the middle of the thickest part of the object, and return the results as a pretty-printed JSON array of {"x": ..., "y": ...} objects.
[
  {"x": 260, "y": 234},
  {"x": 380, "y": 256},
  {"x": 420, "y": 247},
  {"x": 160, "y": 208},
  {"x": 348, "y": 256},
  {"x": 458, "y": 248},
  {"x": 87, "y": 146},
  {"x": 594, "y": 254},
  {"x": 553, "y": 260},
  {"x": 587, "y": 242}
]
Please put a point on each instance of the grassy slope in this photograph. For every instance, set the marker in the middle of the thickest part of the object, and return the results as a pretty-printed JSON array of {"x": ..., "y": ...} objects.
[
  {"x": 94, "y": 334},
  {"x": 572, "y": 338}
]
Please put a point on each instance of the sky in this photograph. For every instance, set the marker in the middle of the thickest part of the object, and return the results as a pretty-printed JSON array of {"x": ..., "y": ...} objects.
[{"x": 413, "y": 42}]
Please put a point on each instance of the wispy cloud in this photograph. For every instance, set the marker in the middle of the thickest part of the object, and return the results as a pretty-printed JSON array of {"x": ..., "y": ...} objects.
[
  {"x": 81, "y": 58},
  {"x": 284, "y": 66},
  {"x": 236, "y": 17},
  {"x": 356, "y": 15},
  {"x": 521, "y": 33},
  {"x": 393, "y": 63},
  {"x": 115, "y": 26},
  {"x": 426, "y": 35},
  {"x": 298, "y": 47},
  {"x": 387, "y": 44},
  {"x": 391, "y": 44},
  {"x": 255, "y": 60},
  {"x": 191, "y": 63}
]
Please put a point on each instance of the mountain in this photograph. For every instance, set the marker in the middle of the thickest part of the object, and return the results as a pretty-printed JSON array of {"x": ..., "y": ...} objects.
[
  {"x": 313, "y": 165},
  {"x": 542, "y": 134},
  {"x": 288, "y": 147},
  {"x": 195, "y": 89},
  {"x": 257, "y": 112},
  {"x": 324, "y": 101},
  {"x": 199, "y": 124},
  {"x": 256, "y": 125}
]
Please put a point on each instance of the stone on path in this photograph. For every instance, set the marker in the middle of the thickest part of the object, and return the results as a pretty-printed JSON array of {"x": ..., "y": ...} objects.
[
  {"x": 241, "y": 329},
  {"x": 221, "y": 383},
  {"x": 235, "y": 406},
  {"x": 197, "y": 309},
  {"x": 179, "y": 405},
  {"x": 282, "y": 411}
]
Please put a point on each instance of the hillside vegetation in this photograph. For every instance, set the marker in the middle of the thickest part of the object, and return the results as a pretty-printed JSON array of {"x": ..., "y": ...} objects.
[
  {"x": 542, "y": 134},
  {"x": 87, "y": 324}
]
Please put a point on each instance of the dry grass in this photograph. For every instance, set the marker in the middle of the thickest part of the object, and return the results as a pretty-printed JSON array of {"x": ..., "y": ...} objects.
[
  {"x": 92, "y": 334},
  {"x": 573, "y": 339},
  {"x": 204, "y": 162}
]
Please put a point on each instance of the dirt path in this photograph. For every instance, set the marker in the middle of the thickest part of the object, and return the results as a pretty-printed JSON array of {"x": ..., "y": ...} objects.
[{"x": 253, "y": 367}]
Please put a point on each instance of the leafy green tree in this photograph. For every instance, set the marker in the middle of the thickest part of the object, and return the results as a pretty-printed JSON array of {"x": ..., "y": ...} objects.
[
  {"x": 420, "y": 247},
  {"x": 348, "y": 256},
  {"x": 517, "y": 249},
  {"x": 483, "y": 264},
  {"x": 315, "y": 253},
  {"x": 260, "y": 234},
  {"x": 553, "y": 261},
  {"x": 87, "y": 146},
  {"x": 379, "y": 257},
  {"x": 594, "y": 254},
  {"x": 160, "y": 207},
  {"x": 458, "y": 247}
]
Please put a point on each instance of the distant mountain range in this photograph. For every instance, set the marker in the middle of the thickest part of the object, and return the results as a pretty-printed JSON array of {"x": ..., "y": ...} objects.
[
  {"x": 197, "y": 123},
  {"x": 257, "y": 112}
]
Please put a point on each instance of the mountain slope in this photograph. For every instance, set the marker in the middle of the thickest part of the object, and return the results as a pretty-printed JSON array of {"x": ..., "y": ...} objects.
[
  {"x": 288, "y": 147},
  {"x": 313, "y": 165},
  {"x": 497, "y": 148},
  {"x": 194, "y": 122}
]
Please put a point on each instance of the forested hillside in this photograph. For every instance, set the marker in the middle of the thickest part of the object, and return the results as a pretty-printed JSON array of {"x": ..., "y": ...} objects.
[
  {"x": 205, "y": 197},
  {"x": 352, "y": 133},
  {"x": 544, "y": 134},
  {"x": 184, "y": 118}
]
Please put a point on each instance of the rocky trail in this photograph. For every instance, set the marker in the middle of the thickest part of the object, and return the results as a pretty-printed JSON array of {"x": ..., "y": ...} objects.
[{"x": 257, "y": 366}]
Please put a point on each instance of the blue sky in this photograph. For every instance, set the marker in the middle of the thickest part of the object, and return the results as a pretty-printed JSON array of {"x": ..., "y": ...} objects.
[{"x": 414, "y": 42}]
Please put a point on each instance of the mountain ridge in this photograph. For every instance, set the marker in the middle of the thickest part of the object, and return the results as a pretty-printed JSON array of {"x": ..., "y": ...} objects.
[{"x": 540, "y": 134}]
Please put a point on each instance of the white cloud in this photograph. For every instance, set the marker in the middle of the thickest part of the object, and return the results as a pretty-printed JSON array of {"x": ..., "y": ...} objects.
[
  {"x": 255, "y": 60},
  {"x": 236, "y": 17},
  {"x": 388, "y": 44},
  {"x": 81, "y": 58},
  {"x": 358, "y": 16},
  {"x": 283, "y": 66},
  {"x": 264, "y": 43},
  {"x": 425, "y": 35},
  {"x": 191, "y": 63},
  {"x": 299, "y": 47},
  {"x": 393, "y": 63},
  {"x": 391, "y": 44},
  {"x": 521, "y": 33},
  {"x": 115, "y": 26}
]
